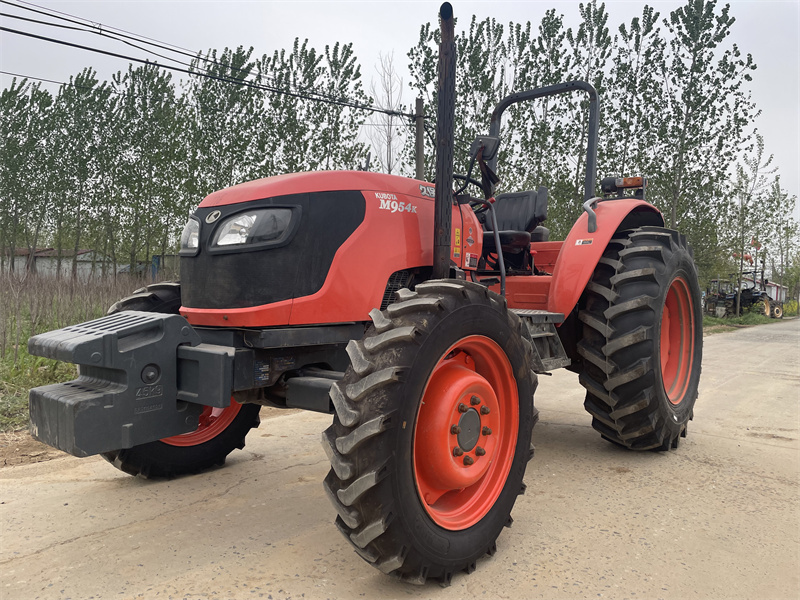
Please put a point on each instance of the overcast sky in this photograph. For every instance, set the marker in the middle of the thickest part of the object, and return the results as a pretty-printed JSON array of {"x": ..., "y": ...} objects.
[{"x": 767, "y": 29}]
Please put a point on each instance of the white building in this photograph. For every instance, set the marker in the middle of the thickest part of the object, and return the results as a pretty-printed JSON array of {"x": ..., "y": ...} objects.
[{"x": 46, "y": 264}]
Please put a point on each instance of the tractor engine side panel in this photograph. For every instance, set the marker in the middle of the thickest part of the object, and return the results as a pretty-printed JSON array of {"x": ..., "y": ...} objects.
[{"x": 396, "y": 234}]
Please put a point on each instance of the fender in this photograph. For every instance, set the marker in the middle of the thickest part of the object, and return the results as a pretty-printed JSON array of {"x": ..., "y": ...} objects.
[{"x": 582, "y": 250}]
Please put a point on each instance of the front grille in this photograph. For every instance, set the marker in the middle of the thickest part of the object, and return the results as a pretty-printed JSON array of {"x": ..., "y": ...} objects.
[{"x": 397, "y": 280}]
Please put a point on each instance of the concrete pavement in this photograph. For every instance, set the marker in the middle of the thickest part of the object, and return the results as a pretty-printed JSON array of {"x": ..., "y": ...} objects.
[{"x": 718, "y": 518}]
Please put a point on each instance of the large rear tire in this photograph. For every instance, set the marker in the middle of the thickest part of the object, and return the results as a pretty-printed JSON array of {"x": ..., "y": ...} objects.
[
  {"x": 432, "y": 431},
  {"x": 642, "y": 340},
  {"x": 221, "y": 430}
]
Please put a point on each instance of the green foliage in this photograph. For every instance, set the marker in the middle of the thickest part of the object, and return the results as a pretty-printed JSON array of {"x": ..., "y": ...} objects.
[
  {"x": 16, "y": 381},
  {"x": 748, "y": 318},
  {"x": 790, "y": 308}
]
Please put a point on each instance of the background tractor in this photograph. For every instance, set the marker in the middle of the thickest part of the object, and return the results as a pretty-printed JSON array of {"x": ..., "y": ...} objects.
[
  {"x": 417, "y": 316},
  {"x": 721, "y": 297}
]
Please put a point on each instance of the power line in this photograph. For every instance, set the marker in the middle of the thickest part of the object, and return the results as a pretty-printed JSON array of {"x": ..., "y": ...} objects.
[
  {"x": 97, "y": 28},
  {"x": 89, "y": 21},
  {"x": 116, "y": 92},
  {"x": 244, "y": 83},
  {"x": 171, "y": 100},
  {"x": 81, "y": 29}
]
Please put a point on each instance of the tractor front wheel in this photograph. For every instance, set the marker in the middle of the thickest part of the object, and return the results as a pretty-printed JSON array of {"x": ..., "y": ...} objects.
[
  {"x": 220, "y": 430},
  {"x": 642, "y": 340},
  {"x": 777, "y": 311},
  {"x": 432, "y": 431}
]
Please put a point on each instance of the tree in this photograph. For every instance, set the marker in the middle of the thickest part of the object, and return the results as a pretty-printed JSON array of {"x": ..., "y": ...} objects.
[
  {"x": 749, "y": 206},
  {"x": 633, "y": 88},
  {"x": 225, "y": 118},
  {"x": 24, "y": 169},
  {"x": 152, "y": 172},
  {"x": 288, "y": 122},
  {"x": 538, "y": 142},
  {"x": 590, "y": 46},
  {"x": 781, "y": 232},
  {"x": 83, "y": 113},
  {"x": 335, "y": 145},
  {"x": 386, "y": 136},
  {"x": 704, "y": 111}
]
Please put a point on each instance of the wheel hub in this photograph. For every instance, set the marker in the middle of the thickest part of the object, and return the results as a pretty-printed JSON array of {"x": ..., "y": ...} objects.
[
  {"x": 470, "y": 426},
  {"x": 451, "y": 432},
  {"x": 466, "y": 432}
]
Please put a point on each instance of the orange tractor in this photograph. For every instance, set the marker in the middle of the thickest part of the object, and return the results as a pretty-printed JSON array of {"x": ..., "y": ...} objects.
[{"x": 417, "y": 316}]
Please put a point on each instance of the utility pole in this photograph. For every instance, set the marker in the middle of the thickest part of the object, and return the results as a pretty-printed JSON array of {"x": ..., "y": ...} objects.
[{"x": 420, "y": 139}]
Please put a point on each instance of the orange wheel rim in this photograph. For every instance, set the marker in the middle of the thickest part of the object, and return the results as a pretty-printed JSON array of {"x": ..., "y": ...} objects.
[
  {"x": 677, "y": 340},
  {"x": 466, "y": 433},
  {"x": 213, "y": 421}
]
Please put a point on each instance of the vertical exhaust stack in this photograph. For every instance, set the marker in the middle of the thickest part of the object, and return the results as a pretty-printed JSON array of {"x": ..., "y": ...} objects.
[{"x": 445, "y": 124}]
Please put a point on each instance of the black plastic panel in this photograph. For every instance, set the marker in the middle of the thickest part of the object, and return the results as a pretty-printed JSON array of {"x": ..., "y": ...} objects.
[{"x": 248, "y": 277}]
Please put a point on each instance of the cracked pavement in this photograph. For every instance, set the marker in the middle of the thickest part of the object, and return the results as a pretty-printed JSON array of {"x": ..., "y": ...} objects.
[{"x": 718, "y": 518}]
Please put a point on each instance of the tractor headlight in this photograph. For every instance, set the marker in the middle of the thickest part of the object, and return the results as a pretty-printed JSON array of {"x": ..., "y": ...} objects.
[
  {"x": 254, "y": 227},
  {"x": 190, "y": 238}
]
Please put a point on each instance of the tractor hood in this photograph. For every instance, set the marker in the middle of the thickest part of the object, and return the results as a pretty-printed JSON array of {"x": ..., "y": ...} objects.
[
  {"x": 306, "y": 248},
  {"x": 317, "y": 181}
]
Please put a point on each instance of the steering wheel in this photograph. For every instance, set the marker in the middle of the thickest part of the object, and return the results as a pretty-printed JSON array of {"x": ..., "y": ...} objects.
[
  {"x": 476, "y": 206},
  {"x": 469, "y": 180}
]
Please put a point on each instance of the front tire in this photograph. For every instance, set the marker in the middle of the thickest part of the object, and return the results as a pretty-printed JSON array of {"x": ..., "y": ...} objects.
[
  {"x": 432, "y": 431},
  {"x": 642, "y": 340},
  {"x": 220, "y": 430}
]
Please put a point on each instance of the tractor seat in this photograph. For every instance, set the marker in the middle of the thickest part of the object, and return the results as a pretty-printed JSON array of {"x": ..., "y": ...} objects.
[
  {"x": 519, "y": 216},
  {"x": 518, "y": 211},
  {"x": 511, "y": 242}
]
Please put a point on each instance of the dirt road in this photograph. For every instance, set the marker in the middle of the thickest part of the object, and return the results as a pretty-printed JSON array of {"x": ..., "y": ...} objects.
[{"x": 718, "y": 518}]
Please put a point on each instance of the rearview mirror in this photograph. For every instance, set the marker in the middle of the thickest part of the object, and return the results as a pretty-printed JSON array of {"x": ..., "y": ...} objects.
[{"x": 489, "y": 143}]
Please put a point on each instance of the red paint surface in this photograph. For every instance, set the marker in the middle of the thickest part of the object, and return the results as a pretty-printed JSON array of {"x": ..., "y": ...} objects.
[{"x": 576, "y": 262}]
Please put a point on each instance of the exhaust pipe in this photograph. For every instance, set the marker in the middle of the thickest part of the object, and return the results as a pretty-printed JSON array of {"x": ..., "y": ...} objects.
[{"x": 445, "y": 125}]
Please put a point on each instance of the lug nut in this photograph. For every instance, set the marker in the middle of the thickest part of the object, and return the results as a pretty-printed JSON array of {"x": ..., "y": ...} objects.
[
  {"x": 462, "y": 407},
  {"x": 484, "y": 410},
  {"x": 480, "y": 451},
  {"x": 474, "y": 401},
  {"x": 486, "y": 431},
  {"x": 468, "y": 460},
  {"x": 455, "y": 429},
  {"x": 457, "y": 451}
]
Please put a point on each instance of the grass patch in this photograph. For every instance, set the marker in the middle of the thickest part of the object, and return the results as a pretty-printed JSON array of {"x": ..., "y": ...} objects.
[
  {"x": 746, "y": 319},
  {"x": 15, "y": 382},
  {"x": 31, "y": 305}
]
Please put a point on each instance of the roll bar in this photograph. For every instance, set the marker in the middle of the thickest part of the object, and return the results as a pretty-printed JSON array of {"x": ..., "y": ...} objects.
[{"x": 552, "y": 90}]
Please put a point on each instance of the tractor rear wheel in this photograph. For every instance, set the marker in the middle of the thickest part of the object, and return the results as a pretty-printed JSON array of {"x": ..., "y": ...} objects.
[
  {"x": 432, "y": 429},
  {"x": 220, "y": 431},
  {"x": 642, "y": 339}
]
